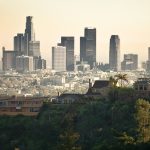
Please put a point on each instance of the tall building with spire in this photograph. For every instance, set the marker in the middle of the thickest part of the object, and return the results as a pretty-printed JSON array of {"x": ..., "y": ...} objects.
[
  {"x": 88, "y": 46},
  {"x": 29, "y": 33},
  {"x": 114, "y": 53},
  {"x": 29, "y": 30}
]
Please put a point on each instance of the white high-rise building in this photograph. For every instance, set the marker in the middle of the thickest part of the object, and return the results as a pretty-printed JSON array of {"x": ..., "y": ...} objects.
[{"x": 59, "y": 58}]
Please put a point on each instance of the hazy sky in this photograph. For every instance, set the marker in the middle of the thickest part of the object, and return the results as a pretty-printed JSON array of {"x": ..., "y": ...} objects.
[{"x": 130, "y": 19}]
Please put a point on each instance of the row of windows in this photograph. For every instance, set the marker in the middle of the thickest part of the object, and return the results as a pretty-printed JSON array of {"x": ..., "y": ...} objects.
[
  {"x": 144, "y": 88},
  {"x": 32, "y": 109},
  {"x": 5, "y": 103}
]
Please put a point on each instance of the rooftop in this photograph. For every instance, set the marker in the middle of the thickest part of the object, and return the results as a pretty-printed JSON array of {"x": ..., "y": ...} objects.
[{"x": 101, "y": 83}]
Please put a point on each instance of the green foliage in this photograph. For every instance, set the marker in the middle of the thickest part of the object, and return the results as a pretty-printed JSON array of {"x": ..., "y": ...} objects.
[
  {"x": 113, "y": 81},
  {"x": 122, "y": 78},
  {"x": 126, "y": 139},
  {"x": 121, "y": 94},
  {"x": 68, "y": 140},
  {"x": 99, "y": 125},
  {"x": 142, "y": 117}
]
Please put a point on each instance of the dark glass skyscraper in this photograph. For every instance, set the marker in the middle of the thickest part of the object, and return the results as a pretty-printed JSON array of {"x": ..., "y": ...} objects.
[
  {"x": 82, "y": 48},
  {"x": 68, "y": 42},
  {"x": 88, "y": 46},
  {"x": 19, "y": 44},
  {"x": 29, "y": 28},
  {"x": 114, "y": 53},
  {"x": 29, "y": 33}
]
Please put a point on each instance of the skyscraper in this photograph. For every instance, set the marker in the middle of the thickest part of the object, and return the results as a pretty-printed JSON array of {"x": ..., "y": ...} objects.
[
  {"x": 82, "y": 48},
  {"x": 29, "y": 33},
  {"x": 114, "y": 53},
  {"x": 59, "y": 58},
  {"x": 148, "y": 61},
  {"x": 88, "y": 46},
  {"x": 19, "y": 44},
  {"x": 68, "y": 42}
]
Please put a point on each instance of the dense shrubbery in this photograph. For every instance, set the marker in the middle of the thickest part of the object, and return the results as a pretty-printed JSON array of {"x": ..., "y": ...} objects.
[{"x": 99, "y": 125}]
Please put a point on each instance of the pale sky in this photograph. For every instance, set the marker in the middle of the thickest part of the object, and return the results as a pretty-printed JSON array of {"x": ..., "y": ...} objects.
[{"x": 130, "y": 19}]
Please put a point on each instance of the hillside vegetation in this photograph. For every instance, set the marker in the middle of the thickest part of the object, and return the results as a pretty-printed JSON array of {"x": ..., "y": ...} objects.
[{"x": 95, "y": 125}]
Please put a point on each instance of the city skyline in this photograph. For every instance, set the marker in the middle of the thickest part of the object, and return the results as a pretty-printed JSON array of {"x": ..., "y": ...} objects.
[{"x": 128, "y": 19}]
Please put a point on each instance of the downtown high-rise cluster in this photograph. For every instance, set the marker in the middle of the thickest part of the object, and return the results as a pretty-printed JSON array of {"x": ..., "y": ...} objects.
[
  {"x": 26, "y": 55},
  {"x": 63, "y": 58}
]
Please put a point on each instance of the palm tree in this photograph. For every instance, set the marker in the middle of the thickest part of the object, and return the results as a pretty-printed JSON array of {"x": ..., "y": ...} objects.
[
  {"x": 113, "y": 81},
  {"x": 121, "y": 77}
]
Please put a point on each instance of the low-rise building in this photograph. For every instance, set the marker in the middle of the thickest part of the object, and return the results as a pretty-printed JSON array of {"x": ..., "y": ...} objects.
[
  {"x": 68, "y": 98},
  {"x": 82, "y": 66},
  {"x": 27, "y": 106},
  {"x": 130, "y": 62},
  {"x": 100, "y": 89},
  {"x": 142, "y": 88}
]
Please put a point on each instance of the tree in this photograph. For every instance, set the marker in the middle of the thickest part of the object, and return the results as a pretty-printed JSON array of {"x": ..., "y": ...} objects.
[
  {"x": 126, "y": 139},
  {"x": 122, "y": 78},
  {"x": 69, "y": 139},
  {"x": 113, "y": 81},
  {"x": 142, "y": 117}
]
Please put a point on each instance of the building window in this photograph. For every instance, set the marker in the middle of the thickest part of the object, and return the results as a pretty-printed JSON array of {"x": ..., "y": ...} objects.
[
  {"x": 18, "y": 110},
  {"x": 145, "y": 88},
  {"x": 141, "y": 87},
  {"x": 34, "y": 109}
]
